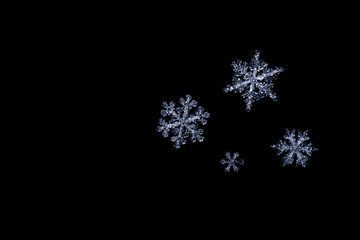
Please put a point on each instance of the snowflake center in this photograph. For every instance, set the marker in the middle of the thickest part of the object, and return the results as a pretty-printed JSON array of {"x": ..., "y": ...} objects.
[
  {"x": 297, "y": 147},
  {"x": 185, "y": 115}
]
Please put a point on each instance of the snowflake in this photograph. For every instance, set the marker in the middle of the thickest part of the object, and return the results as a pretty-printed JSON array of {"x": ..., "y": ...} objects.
[
  {"x": 231, "y": 162},
  {"x": 181, "y": 123},
  {"x": 254, "y": 80},
  {"x": 296, "y": 147}
]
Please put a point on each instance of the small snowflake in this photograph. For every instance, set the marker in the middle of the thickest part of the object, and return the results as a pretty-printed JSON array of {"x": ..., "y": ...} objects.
[
  {"x": 295, "y": 147},
  {"x": 181, "y": 123},
  {"x": 231, "y": 162},
  {"x": 253, "y": 80}
]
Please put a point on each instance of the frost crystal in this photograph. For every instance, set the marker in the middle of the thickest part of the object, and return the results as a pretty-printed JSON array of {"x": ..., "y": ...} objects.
[
  {"x": 231, "y": 162},
  {"x": 181, "y": 123},
  {"x": 295, "y": 147},
  {"x": 253, "y": 80}
]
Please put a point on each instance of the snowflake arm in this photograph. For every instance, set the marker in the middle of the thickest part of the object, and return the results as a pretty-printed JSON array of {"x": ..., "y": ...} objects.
[
  {"x": 254, "y": 80},
  {"x": 269, "y": 73},
  {"x": 168, "y": 110},
  {"x": 231, "y": 161},
  {"x": 181, "y": 123},
  {"x": 295, "y": 148}
]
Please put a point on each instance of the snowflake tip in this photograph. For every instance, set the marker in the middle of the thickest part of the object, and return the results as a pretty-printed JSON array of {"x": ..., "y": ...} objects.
[
  {"x": 163, "y": 113},
  {"x": 165, "y": 134}
]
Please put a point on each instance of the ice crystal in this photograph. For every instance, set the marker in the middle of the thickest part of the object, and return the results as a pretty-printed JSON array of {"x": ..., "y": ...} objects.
[
  {"x": 295, "y": 147},
  {"x": 182, "y": 124},
  {"x": 254, "y": 80},
  {"x": 231, "y": 161}
]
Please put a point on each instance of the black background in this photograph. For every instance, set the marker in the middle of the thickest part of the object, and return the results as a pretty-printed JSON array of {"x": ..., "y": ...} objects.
[{"x": 113, "y": 68}]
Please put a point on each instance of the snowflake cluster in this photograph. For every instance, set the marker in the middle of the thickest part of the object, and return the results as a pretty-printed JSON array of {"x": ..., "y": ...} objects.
[
  {"x": 254, "y": 80},
  {"x": 182, "y": 124},
  {"x": 232, "y": 162},
  {"x": 295, "y": 147}
]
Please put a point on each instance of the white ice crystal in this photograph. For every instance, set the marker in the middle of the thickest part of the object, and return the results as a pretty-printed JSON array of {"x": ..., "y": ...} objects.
[
  {"x": 231, "y": 162},
  {"x": 296, "y": 147},
  {"x": 181, "y": 123},
  {"x": 253, "y": 80}
]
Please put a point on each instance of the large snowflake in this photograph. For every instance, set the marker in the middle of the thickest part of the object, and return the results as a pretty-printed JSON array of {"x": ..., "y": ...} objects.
[
  {"x": 182, "y": 124},
  {"x": 231, "y": 161},
  {"x": 296, "y": 147},
  {"x": 253, "y": 80}
]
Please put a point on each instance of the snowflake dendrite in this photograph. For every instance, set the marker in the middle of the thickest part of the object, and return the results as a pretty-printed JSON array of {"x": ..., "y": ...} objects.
[
  {"x": 232, "y": 162},
  {"x": 296, "y": 147},
  {"x": 181, "y": 123},
  {"x": 254, "y": 80}
]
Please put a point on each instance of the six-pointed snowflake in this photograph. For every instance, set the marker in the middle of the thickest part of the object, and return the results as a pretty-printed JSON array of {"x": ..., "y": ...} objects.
[
  {"x": 232, "y": 162},
  {"x": 181, "y": 123},
  {"x": 253, "y": 80},
  {"x": 296, "y": 147}
]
